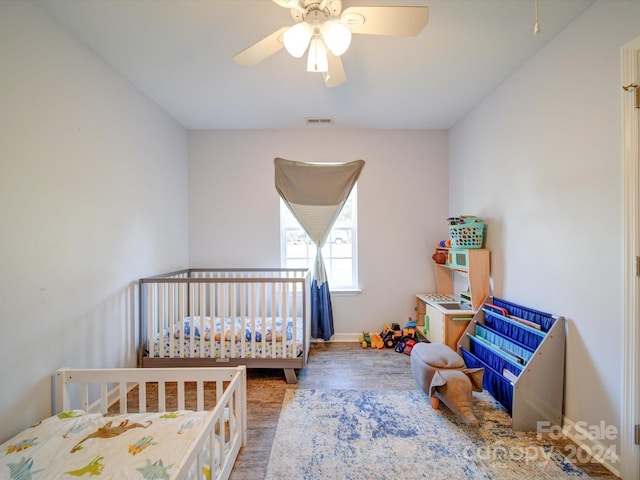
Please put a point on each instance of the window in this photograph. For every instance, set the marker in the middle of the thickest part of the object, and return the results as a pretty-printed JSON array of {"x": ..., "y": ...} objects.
[{"x": 339, "y": 251}]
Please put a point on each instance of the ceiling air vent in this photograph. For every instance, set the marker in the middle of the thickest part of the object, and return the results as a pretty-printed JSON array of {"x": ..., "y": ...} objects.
[{"x": 319, "y": 121}]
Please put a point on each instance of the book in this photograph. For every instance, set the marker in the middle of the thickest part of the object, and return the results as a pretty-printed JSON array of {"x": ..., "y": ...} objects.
[
  {"x": 512, "y": 355},
  {"x": 509, "y": 375},
  {"x": 525, "y": 322}
]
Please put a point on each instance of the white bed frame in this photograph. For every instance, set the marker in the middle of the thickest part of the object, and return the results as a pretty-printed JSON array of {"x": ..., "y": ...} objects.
[
  {"x": 226, "y": 431},
  {"x": 253, "y": 296}
]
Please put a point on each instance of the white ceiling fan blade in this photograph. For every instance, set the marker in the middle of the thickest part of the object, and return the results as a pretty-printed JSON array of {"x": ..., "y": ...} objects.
[
  {"x": 291, "y": 4},
  {"x": 287, "y": 3},
  {"x": 261, "y": 49},
  {"x": 335, "y": 74},
  {"x": 395, "y": 21}
]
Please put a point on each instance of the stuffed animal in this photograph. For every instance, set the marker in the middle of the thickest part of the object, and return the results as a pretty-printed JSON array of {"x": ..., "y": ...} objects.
[
  {"x": 441, "y": 374},
  {"x": 454, "y": 388}
]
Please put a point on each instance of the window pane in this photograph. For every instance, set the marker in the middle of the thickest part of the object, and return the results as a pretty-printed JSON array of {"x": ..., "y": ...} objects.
[
  {"x": 339, "y": 251},
  {"x": 341, "y": 273},
  {"x": 297, "y": 263}
]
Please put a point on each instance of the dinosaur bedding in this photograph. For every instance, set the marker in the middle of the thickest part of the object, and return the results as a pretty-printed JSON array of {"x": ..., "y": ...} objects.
[{"x": 73, "y": 444}]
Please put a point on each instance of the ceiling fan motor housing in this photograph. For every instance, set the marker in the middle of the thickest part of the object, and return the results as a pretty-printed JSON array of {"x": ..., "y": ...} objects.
[{"x": 332, "y": 8}]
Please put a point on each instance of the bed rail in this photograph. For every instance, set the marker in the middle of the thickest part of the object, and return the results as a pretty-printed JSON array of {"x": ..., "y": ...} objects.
[
  {"x": 215, "y": 452},
  {"x": 98, "y": 390}
]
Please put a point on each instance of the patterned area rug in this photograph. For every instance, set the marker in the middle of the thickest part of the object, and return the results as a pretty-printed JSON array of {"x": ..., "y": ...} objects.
[{"x": 379, "y": 434}]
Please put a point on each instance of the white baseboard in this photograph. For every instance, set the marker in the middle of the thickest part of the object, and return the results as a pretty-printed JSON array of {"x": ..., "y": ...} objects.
[
  {"x": 589, "y": 440},
  {"x": 339, "y": 337}
]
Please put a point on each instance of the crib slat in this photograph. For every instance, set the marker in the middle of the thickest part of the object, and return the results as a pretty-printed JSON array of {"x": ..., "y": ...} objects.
[
  {"x": 274, "y": 311},
  {"x": 180, "y": 388},
  {"x": 160, "y": 321},
  {"x": 142, "y": 397},
  {"x": 190, "y": 313},
  {"x": 201, "y": 313},
  {"x": 243, "y": 317},
  {"x": 181, "y": 318},
  {"x": 200, "y": 395},
  {"x": 150, "y": 320},
  {"x": 233, "y": 316},
  {"x": 217, "y": 320},
  {"x": 172, "y": 320},
  {"x": 84, "y": 397},
  {"x": 104, "y": 401},
  {"x": 162, "y": 398},
  {"x": 212, "y": 314},
  {"x": 123, "y": 397},
  {"x": 283, "y": 316},
  {"x": 294, "y": 319},
  {"x": 214, "y": 461},
  {"x": 219, "y": 389},
  {"x": 252, "y": 316},
  {"x": 263, "y": 316},
  {"x": 220, "y": 291},
  {"x": 199, "y": 464}
]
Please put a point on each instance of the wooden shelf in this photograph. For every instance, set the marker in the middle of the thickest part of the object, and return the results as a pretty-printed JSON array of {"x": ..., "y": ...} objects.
[
  {"x": 476, "y": 268},
  {"x": 441, "y": 325}
]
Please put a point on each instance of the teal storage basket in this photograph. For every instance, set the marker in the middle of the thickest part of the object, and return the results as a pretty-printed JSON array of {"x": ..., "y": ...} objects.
[{"x": 467, "y": 235}]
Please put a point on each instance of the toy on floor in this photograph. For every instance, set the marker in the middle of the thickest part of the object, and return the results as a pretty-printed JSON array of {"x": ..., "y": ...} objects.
[
  {"x": 391, "y": 334},
  {"x": 388, "y": 333},
  {"x": 373, "y": 340},
  {"x": 409, "y": 330},
  {"x": 442, "y": 375},
  {"x": 401, "y": 340},
  {"x": 376, "y": 340},
  {"x": 405, "y": 345}
]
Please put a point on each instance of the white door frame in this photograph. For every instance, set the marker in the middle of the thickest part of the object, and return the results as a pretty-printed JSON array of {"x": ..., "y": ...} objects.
[{"x": 629, "y": 452}]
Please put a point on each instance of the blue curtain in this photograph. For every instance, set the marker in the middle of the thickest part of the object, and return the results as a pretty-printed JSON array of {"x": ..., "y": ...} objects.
[{"x": 321, "y": 311}]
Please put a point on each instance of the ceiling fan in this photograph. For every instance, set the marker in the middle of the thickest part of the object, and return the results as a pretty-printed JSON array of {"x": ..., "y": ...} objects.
[{"x": 324, "y": 29}]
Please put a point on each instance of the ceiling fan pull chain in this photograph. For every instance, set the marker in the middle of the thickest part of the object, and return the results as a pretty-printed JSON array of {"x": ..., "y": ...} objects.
[{"x": 536, "y": 28}]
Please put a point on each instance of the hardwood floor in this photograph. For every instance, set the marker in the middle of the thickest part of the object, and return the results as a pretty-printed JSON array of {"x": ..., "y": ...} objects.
[{"x": 331, "y": 366}]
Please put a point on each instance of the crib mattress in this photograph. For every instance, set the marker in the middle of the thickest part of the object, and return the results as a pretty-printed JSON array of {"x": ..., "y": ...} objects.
[
  {"x": 230, "y": 339},
  {"x": 123, "y": 446}
]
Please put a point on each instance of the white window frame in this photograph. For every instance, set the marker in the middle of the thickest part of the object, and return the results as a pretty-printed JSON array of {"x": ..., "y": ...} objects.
[{"x": 329, "y": 250}]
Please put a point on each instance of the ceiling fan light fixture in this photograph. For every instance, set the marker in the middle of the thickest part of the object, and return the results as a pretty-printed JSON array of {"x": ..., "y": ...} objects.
[
  {"x": 336, "y": 36},
  {"x": 317, "y": 60},
  {"x": 297, "y": 38}
]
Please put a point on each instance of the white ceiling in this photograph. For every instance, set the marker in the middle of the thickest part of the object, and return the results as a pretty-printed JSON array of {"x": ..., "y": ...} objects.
[{"x": 179, "y": 53}]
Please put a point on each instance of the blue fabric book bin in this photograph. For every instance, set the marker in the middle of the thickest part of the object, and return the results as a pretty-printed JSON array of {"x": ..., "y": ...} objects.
[{"x": 522, "y": 352}]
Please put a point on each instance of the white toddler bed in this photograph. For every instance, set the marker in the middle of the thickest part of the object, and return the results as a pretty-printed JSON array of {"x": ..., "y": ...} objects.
[
  {"x": 211, "y": 317},
  {"x": 175, "y": 444}
]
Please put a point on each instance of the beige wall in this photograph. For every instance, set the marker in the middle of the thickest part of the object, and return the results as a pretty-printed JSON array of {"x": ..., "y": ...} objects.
[
  {"x": 85, "y": 166},
  {"x": 402, "y": 204},
  {"x": 541, "y": 159}
]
